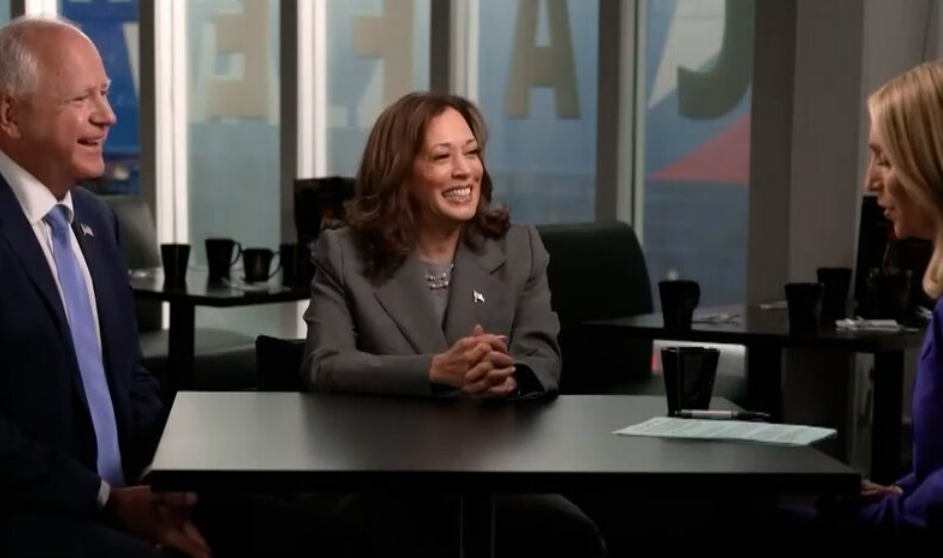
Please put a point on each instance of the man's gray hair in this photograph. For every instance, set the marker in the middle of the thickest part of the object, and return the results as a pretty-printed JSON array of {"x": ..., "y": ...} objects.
[{"x": 17, "y": 62}]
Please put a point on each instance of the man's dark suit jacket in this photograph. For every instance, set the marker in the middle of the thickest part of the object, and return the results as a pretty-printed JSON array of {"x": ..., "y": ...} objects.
[{"x": 47, "y": 443}]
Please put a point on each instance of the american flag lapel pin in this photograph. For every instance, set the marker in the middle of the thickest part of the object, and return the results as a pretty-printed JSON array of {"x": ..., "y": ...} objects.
[
  {"x": 87, "y": 230},
  {"x": 478, "y": 297}
]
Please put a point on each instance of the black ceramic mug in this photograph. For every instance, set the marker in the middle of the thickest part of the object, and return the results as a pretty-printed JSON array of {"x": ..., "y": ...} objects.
[
  {"x": 219, "y": 256},
  {"x": 175, "y": 258},
  {"x": 678, "y": 300},
  {"x": 256, "y": 263}
]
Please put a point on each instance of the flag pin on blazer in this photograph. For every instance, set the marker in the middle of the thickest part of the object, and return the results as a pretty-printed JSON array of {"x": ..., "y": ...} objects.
[
  {"x": 478, "y": 297},
  {"x": 87, "y": 230}
]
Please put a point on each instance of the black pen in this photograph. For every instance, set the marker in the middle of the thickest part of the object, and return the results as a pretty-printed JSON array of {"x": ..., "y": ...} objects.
[{"x": 721, "y": 415}]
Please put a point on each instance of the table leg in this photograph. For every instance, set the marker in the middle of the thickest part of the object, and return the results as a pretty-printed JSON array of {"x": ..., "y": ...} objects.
[
  {"x": 477, "y": 518},
  {"x": 764, "y": 381},
  {"x": 180, "y": 348},
  {"x": 888, "y": 408}
]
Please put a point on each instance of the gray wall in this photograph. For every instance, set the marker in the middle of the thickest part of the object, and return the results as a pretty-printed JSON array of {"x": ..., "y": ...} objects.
[
  {"x": 814, "y": 66},
  {"x": 824, "y": 190}
]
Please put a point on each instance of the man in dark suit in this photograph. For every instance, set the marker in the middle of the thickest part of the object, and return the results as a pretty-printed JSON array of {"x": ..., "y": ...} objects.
[{"x": 79, "y": 415}]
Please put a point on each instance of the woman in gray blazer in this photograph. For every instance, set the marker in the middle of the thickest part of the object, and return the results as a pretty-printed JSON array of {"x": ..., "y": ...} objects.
[{"x": 430, "y": 291}]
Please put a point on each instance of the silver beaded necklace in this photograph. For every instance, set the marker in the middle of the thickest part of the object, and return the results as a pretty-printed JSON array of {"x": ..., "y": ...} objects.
[{"x": 438, "y": 281}]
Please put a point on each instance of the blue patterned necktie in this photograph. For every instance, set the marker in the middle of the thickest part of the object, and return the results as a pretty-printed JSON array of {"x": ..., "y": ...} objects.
[{"x": 84, "y": 338}]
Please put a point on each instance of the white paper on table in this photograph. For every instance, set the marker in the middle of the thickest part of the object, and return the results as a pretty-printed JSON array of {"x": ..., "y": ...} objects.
[{"x": 730, "y": 430}]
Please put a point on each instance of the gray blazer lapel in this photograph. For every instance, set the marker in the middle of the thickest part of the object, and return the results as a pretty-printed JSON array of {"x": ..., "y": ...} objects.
[
  {"x": 474, "y": 292},
  {"x": 406, "y": 299}
]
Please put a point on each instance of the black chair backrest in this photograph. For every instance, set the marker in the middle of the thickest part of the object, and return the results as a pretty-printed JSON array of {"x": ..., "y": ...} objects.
[
  {"x": 278, "y": 363},
  {"x": 873, "y": 233},
  {"x": 138, "y": 237},
  {"x": 601, "y": 263},
  {"x": 598, "y": 271},
  {"x": 319, "y": 203}
]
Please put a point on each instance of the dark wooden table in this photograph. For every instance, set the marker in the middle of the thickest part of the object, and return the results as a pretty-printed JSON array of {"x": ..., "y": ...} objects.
[
  {"x": 765, "y": 333},
  {"x": 294, "y": 441},
  {"x": 199, "y": 291}
]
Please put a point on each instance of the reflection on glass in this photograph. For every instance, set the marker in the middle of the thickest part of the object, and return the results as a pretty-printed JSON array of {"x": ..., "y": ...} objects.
[
  {"x": 537, "y": 80},
  {"x": 376, "y": 52},
  {"x": 698, "y": 58},
  {"x": 234, "y": 190},
  {"x": 113, "y": 27}
]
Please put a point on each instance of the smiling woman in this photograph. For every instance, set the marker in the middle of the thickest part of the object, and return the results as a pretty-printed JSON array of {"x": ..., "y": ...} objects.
[
  {"x": 432, "y": 292},
  {"x": 422, "y": 230},
  {"x": 422, "y": 180},
  {"x": 448, "y": 173}
]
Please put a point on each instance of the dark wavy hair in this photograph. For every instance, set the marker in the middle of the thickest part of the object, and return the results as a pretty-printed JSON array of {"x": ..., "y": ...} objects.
[{"x": 384, "y": 212}]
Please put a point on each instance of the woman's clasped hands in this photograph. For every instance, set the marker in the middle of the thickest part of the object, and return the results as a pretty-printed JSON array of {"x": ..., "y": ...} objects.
[{"x": 478, "y": 364}]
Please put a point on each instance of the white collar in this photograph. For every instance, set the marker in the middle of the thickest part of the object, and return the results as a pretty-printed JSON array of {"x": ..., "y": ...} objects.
[{"x": 35, "y": 199}]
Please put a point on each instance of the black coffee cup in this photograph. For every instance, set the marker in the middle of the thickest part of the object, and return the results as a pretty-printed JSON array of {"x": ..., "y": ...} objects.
[
  {"x": 678, "y": 301},
  {"x": 689, "y": 374},
  {"x": 219, "y": 257},
  {"x": 175, "y": 258},
  {"x": 256, "y": 263},
  {"x": 835, "y": 284},
  {"x": 804, "y": 301}
]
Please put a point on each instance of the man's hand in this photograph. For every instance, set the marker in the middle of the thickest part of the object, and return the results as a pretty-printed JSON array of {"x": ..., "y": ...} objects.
[{"x": 163, "y": 519}]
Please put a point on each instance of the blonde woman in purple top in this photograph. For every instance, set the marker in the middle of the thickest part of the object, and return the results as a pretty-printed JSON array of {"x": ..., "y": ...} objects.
[{"x": 906, "y": 173}]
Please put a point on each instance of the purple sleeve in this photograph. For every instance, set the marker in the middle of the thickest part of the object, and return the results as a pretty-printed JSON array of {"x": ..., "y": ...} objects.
[
  {"x": 923, "y": 487},
  {"x": 927, "y": 403},
  {"x": 907, "y": 483},
  {"x": 907, "y": 511}
]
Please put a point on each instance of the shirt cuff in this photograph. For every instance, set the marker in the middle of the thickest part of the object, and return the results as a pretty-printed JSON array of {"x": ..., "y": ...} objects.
[
  {"x": 104, "y": 492},
  {"x": 528, "y": 386}
]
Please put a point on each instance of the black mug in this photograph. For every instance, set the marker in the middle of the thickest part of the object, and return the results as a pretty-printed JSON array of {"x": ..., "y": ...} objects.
[
  {"x": 256, "y": 263},
  {"x": 678, "y": 300},
  {"x": 175, "y": 258},
  {"x": 219, "y": 257},
  {"x": 804, "y": 301},
  {"x": 835, "y": 284},
  {"x": 689, "y": 374}
]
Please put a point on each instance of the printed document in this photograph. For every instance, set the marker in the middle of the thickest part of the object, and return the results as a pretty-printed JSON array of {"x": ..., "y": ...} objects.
[{"x": 735, "y": 430}]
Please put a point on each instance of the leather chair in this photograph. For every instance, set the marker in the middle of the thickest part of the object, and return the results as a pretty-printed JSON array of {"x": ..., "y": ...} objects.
[
  {"x": 223, "y": 359},
  {"x": 278, "y": 363},
  {"x": 597, "y": 271},
  {"x": 319, "y": 204}
]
